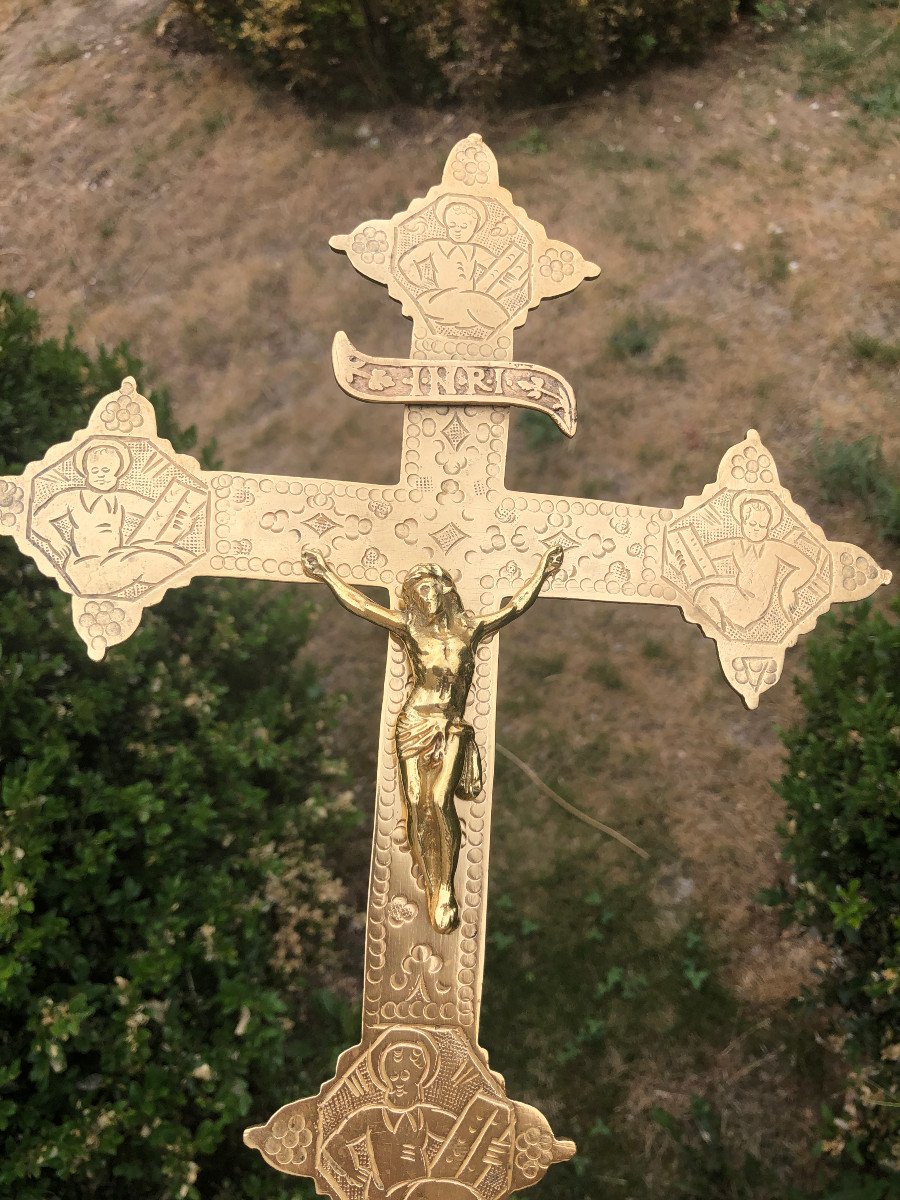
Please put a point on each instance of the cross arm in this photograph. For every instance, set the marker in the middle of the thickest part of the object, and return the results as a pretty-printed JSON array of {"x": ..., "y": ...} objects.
[
  {"x": 117, "y": 517},
  {"x": 741, "y": 560}
]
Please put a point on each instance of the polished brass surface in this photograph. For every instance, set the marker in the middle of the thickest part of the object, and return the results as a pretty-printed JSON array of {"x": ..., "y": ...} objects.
[{"x": 116, "y": 518}]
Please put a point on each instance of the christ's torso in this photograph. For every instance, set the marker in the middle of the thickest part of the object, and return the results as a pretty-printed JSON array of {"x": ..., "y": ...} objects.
[{"x": 443, "y": 663}]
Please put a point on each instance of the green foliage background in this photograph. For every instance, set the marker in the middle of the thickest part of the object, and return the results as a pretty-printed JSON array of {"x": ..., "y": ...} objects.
[
  {"x": 841, "y": 788},
  {"x": 346, "y": 52},
  {"x": 168, "y": 816}
]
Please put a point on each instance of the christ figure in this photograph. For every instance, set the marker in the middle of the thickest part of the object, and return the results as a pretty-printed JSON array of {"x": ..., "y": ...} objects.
[{"x": 439, "y": 759}]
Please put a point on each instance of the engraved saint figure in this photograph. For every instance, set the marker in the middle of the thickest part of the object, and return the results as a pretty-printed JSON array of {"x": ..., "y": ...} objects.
[
  {"x": 108, "y": 538},
  {"x": 464, "y": 282},
  {"x": 765, "y": 568},
  {"x": 386, "y": 1148},
  {"x": 406, "y": 1145},
  {"x": 439, "y": 759}
]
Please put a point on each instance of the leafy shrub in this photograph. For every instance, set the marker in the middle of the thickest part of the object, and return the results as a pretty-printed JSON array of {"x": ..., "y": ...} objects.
[
  {"x": 869, "y": 348},
  {"x": 841, "y": 787},
  {"x": 773, "y": 16},
  {"x": 167, "y": 818},
  {"x": 540, "y": 433},
  {"x": 340, "y": 52}
]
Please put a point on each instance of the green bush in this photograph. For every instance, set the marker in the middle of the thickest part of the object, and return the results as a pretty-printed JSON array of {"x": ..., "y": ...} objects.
[
  {"x": 340, "y": 52},
  {"x": 167, "y": 820},
  {"x": 841, "y": 787},
  {"x": 550, "y": 49}
]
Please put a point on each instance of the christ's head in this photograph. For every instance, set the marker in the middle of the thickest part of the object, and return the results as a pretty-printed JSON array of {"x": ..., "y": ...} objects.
[{"x": 429, "y": 591}]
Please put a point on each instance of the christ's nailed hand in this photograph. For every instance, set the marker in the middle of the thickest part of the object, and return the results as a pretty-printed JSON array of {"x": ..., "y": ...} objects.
[
  {"x": 553, "y": 562},
  {"x": 314, "y": 564}
]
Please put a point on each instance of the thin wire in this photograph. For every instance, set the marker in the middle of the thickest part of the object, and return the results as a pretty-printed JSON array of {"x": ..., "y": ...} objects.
[{"x": 570, "y": 808}]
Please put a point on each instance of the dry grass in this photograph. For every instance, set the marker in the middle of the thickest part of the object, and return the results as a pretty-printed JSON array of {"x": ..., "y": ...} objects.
[{"x": 167, "y": 201}]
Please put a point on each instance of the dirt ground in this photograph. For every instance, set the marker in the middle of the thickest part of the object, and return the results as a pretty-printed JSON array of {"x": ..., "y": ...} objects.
[{"x": 167, "y": 200}]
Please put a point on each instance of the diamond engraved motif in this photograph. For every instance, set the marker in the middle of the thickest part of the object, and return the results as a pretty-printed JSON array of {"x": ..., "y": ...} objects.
[
  {"x": 447, "y": 537},
  {"x": 455, "y": 432},
  {"x": 562, "y": 540},
  {"x": 320, "y": 523}
]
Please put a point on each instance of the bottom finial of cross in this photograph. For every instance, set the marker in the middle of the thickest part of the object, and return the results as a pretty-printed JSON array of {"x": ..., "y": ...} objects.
[{"x": 413, "y": 1113}]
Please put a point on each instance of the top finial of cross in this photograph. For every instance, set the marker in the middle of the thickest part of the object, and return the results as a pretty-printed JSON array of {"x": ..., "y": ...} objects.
[{"x": 466, "y": 263}]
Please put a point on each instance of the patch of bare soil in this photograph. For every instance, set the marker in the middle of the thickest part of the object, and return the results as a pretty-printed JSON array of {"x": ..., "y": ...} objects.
[{"x": 167, "y": 200}]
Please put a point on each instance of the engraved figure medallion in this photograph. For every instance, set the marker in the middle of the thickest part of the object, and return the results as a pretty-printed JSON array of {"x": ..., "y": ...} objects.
[
  {"x": 753, "y": 570},
  {"x": 415, "y": 1116},
  {"x": 116, "y": 516},
  {"x": 465, "y": 261}
]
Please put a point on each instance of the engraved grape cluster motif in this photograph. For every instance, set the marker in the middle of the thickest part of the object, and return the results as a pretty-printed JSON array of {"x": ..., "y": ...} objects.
[
  {"x": 751, "y": 466},
  {"x": 289, "y": 1141},
  {"x": 855, "y": 572},
  {"x": 122, "y": 414},
  {"x": 370, "y": 244},
  {"x": 556, "y": 264},
  {"x": 534, "y": 1152},
  {"x": 12, "y": 502},
  {"x": 101, "y": 620},
  {"x": 470, "y": 163}
]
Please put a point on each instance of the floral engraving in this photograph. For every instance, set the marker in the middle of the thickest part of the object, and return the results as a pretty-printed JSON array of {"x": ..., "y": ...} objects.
[{"x": 401, "y": 910}]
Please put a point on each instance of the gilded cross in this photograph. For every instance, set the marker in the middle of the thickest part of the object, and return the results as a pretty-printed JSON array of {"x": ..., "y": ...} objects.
[{"x": 116, "y": 517}]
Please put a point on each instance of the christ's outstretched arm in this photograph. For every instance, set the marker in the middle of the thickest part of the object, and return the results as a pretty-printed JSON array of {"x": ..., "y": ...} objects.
[
  {"x": 351, "y": 598},
  {"x": 524, "y": 597}
]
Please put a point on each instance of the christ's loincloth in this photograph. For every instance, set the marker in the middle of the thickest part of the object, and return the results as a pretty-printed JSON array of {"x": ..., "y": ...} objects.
[{"x": 424, "y": 735}]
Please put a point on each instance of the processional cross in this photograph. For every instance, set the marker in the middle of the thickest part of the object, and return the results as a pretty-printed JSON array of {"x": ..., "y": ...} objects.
[{"x": 117, "y": 518}]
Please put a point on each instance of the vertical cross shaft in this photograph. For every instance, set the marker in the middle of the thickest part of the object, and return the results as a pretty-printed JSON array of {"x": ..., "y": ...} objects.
[{"x": 448, "y": 989}]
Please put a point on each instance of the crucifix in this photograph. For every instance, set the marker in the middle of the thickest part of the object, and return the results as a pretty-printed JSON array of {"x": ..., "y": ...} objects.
[{"x": 116, "y": 517}]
